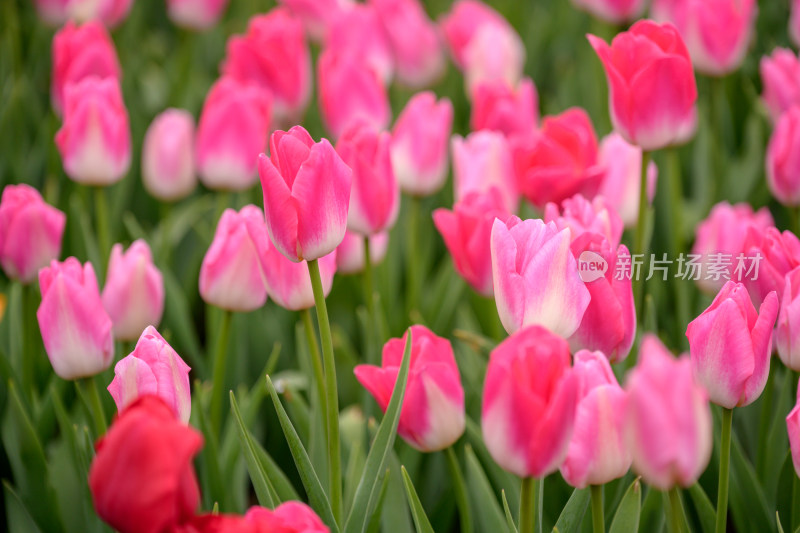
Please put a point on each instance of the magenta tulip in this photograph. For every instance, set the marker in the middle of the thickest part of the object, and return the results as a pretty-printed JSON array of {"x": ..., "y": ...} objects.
[
  {"x": 770, "y": 256},
  {"x": 511, "y": 110},
  {"x": 783, "y": 159},
  {"x": 787, "y": 330},
  {"x": 288, "y": 517},
  {"x": 780, "y": 77},
  {"x": 317, "y": 15},
  {"x": 357, "y": 33},
  {"x": 583, "y": 216}
]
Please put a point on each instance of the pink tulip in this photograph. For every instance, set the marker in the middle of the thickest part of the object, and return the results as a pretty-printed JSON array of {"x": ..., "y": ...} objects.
[
  {"x": 358, "y": 33},
  {"x": 419, "y": 144},
  {"x": 153, "y": 368},
  {"x": 622, "y": 181},
  {"x": 717, "y": 32},
  {"x": 274, "y": 54},
  {"x": 467, "y": 233},
  {"x": 196, "y": 14},
  {"x": 288, "y": 517},
  {"x": 723, "y": 234},
  {"x": 482, "y": 162},
  {"x": 350, "y": 92},
  {"x": 53, "y": 12},
  {"x": 780, "y": 77},
  {"x": 495, "y": 53},
  {"x": 462, "y": 23},
  {"x": 306, "y": 194},
  {"x": 230, "y": 276},
  {"x": 108, "y": 12},
  {"x": 793, "y": 428},
  {"x": 529, "y": 402},
  {"x": 78, "y": 53},
  {"x": 134, "y": 292},
  {"x": 598, "y": 452},
  {"x": 30, "y": 232},
  {"x": 168, "y": 170},
  {"x": 75, "y": 328},
  {"x": 668, "y": 419},
  {"x": 612, "y": 11},
  {"x": 794, "y": 23},
  {"x": 317, "y": 15},
  {"x": 233, "y": 130},
  {"x": 536, "y": 277},
  {"x": 432, "y": 416},
  {"x": 560, "y": 161},
  {"x": 775, "y": 254},
  {"x": 374, "y": 194},
  {"x": 511, "y": 110},
  {"x": 582, "y": 216},
  {"x": 783, "y": 159},
  {"x": 652, "y": 89},
  {"x": 94, "y": 140},
  {"x": 351, "y": 256},
  {"x": 787, "y": 330},
  {"x": 731, "y": 345},
  {"x": 413, "y": 38}
]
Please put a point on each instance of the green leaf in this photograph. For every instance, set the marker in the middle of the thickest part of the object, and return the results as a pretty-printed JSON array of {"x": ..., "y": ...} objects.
[
  {"x": 487, "y": 509},
  {"x": 417, "y": 511},
  {"x": 509, "y": 519},
  {"x": 378, "y": 453},
  {"x": 374, "y": 524},
  {"x": 703, "y": 506},
  {"x": 210, "y": 456},
  {"x": 18, "y": 516},
  {"x": 257, "y": 474},
  {"x": 627, "y": 516},
  {"x": 748, "y": 502},
  {"x": 569, "y": 521},
  {"x": 778, "y": 521},
  {"x": 284, "y": 490}
]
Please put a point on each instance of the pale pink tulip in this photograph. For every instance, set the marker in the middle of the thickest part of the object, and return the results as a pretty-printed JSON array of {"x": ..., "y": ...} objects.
[
  {"x": 168, "y": 161},
  {"x": 793, "y": 428},
  {"x": 770, "y": 256},
  {"x": 511, "y": 110},
  {"x": 351, "y": 256},
  {"x": 482, "y": 162},
  {"x": 109, "y": 12},
  {"x": 787, "y": 330},
  {"x": 196, "y": 14},
  {"x": 612, "y": 11},
  {"x": 783, "y": 159},
  {"x": 780, "y": 77},
  {"x": 583, "y": 216},
  {"x": 462, "y": 23},
  {"x": 622, "y": 182},
  {"x": 494, "y": 54},
  {"x": 358, "y": 34},
  {"x": 317, "y": 15}
]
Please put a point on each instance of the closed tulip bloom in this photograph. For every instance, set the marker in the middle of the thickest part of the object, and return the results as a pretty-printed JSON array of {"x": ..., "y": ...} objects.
[
  {"x": 317, "y": 15},
  {"x": 462, "y": 23},
  {"x": 482, "y": 162},
  {"x": 414, "y": 41},
  {"x": 374, "y": 194},
  {"x": 794, "y": 23},
  {"x": 233, "y": 130},
  {"x": 731, "y": 346},
  {"x": 668, "y": 419},
  {"x": 622, "y": 181},
  {"x": 168, "y": 169},
  {"x": 80, "y": 52},
  {"x": 274, "y": 54},
  {"x": 153, "y": 368},
  {"x": 432, "y": 416},
  {"x": 652, "y": 89},
  {"x": 195, "y": 14},
  {"x": 511, "y": 110},
  {"x": 780, "y": 77},
  {"x": 717, "y": 32},
  {"x": 793, "y": 428},
  {"x": 495, "y": 53},
  {"x": 783, "y": 159},
  {"x": 142, "y": 477},
  {"x": 583, "y": 216},
  {"x": 529, "y": 402},
  {"x": 288, "y": 517},
  {"x": 350, "y": 92},
  {"x": 306, "y": 194},
  {"x": 133, "y": 294},
  {"x": 420, "y": 140},
  {"x": 467, "y": 233},
  {"x": 30, "y": 232},
  {"x": 560, "y": 161},
  {"x": 230, "y": 276},
  {"x": 351, "y": 256},
  {"x": 775, "y": 254},
  {"x": 787, "y": 330},
  {"x": 94, "y": 140},
  {"x": 612, "y": 11},
  {"x": 723, "y": 233},
  {"x": 599, "y": 451},
  {"x": 536, "y": 277},
  {"x": 75, "y": 328},
  {"x": 357, "y": 32}
]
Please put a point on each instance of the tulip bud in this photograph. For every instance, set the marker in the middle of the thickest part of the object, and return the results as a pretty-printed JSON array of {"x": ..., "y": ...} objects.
[
  {"x": 230, "y": 276},
  {"x": 783, "y": 159},
  {"x": 153, "y": 368},
  {"x": 75, "y": 328},
  {"x": 233, "y": 130},
  {"x": 30, "y": 232},
  {"x": 288, "y": 517},
  {"x": 358, "y": 34},
  {"x": 494, "y": 54},
  {"x": 462, "y": 23},
  {"x": 536, "y": 277},
  {"x": 195, "y": 14},
  {"x": 482, "y": 162},
  {"x": 780, "y": 76},
  {"x": 598, "y": 452},
  {"x": 529, "y": 373},
  {"x": 467, "y": 233},
  {"x": 432, "y": 416},
  {"x": 612, "y": 11},
  {"x": 652, "y": 94},
  {"x": 134, "y": 292},
  {"x": 787, "y": 329},
  {"x": 168, "y": 158},
  {"x": 146, "y": 452},
  {"x": 582, "y": 216},
  {"x": 793, "y": 428},
  {"x": 419, "y": 144},
  {"x": 351, "y": 256},
  {"x": 317, "y": 15},
  {"x": 511, "y": 110},
  {"x": 622, "y": 182},
  {"x": 78, "y": 53},
  {"x": 94, "y": 140},
  {"x": 770, "y": 256},
  {"x": 560, "y": 161},
  {"x": 374, "y": 194},
  {"x": 668, "y": 419}
]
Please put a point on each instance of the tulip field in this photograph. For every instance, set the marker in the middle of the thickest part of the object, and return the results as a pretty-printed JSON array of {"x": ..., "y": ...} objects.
[{"x": 351, "y": 266}]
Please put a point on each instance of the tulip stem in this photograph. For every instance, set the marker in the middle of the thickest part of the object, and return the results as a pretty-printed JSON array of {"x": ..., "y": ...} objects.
[
  {"x": 101, "y": 223},
  {"x": 316, "y": 361},
  {"x": 369, "y": 286},
  {"x": 795, "y": 514},
  {"x": 676, "y": 511},
  {"x": 29, "y": 324},
  {"x": 87, "y": 389},
  {"x": 218, "y": 371},
  {"x": 412, "y": 255},
  {"x": 639, "y": 243},
  {"x": 332, "y": 403},
  {"x": 724, "y": 466},
  {"x": 462, "y": 501},
  {"x": 530, "y": 506},
  {"x": 598, "y": 520}
]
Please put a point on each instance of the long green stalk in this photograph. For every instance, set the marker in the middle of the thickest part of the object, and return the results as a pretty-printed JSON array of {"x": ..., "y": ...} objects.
[
  {"x": 218, "y": 376},
  {"x": 724, "y": 466},
  {"x": 598, "y": 519},
  {"x": 316, "y": 361}
]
